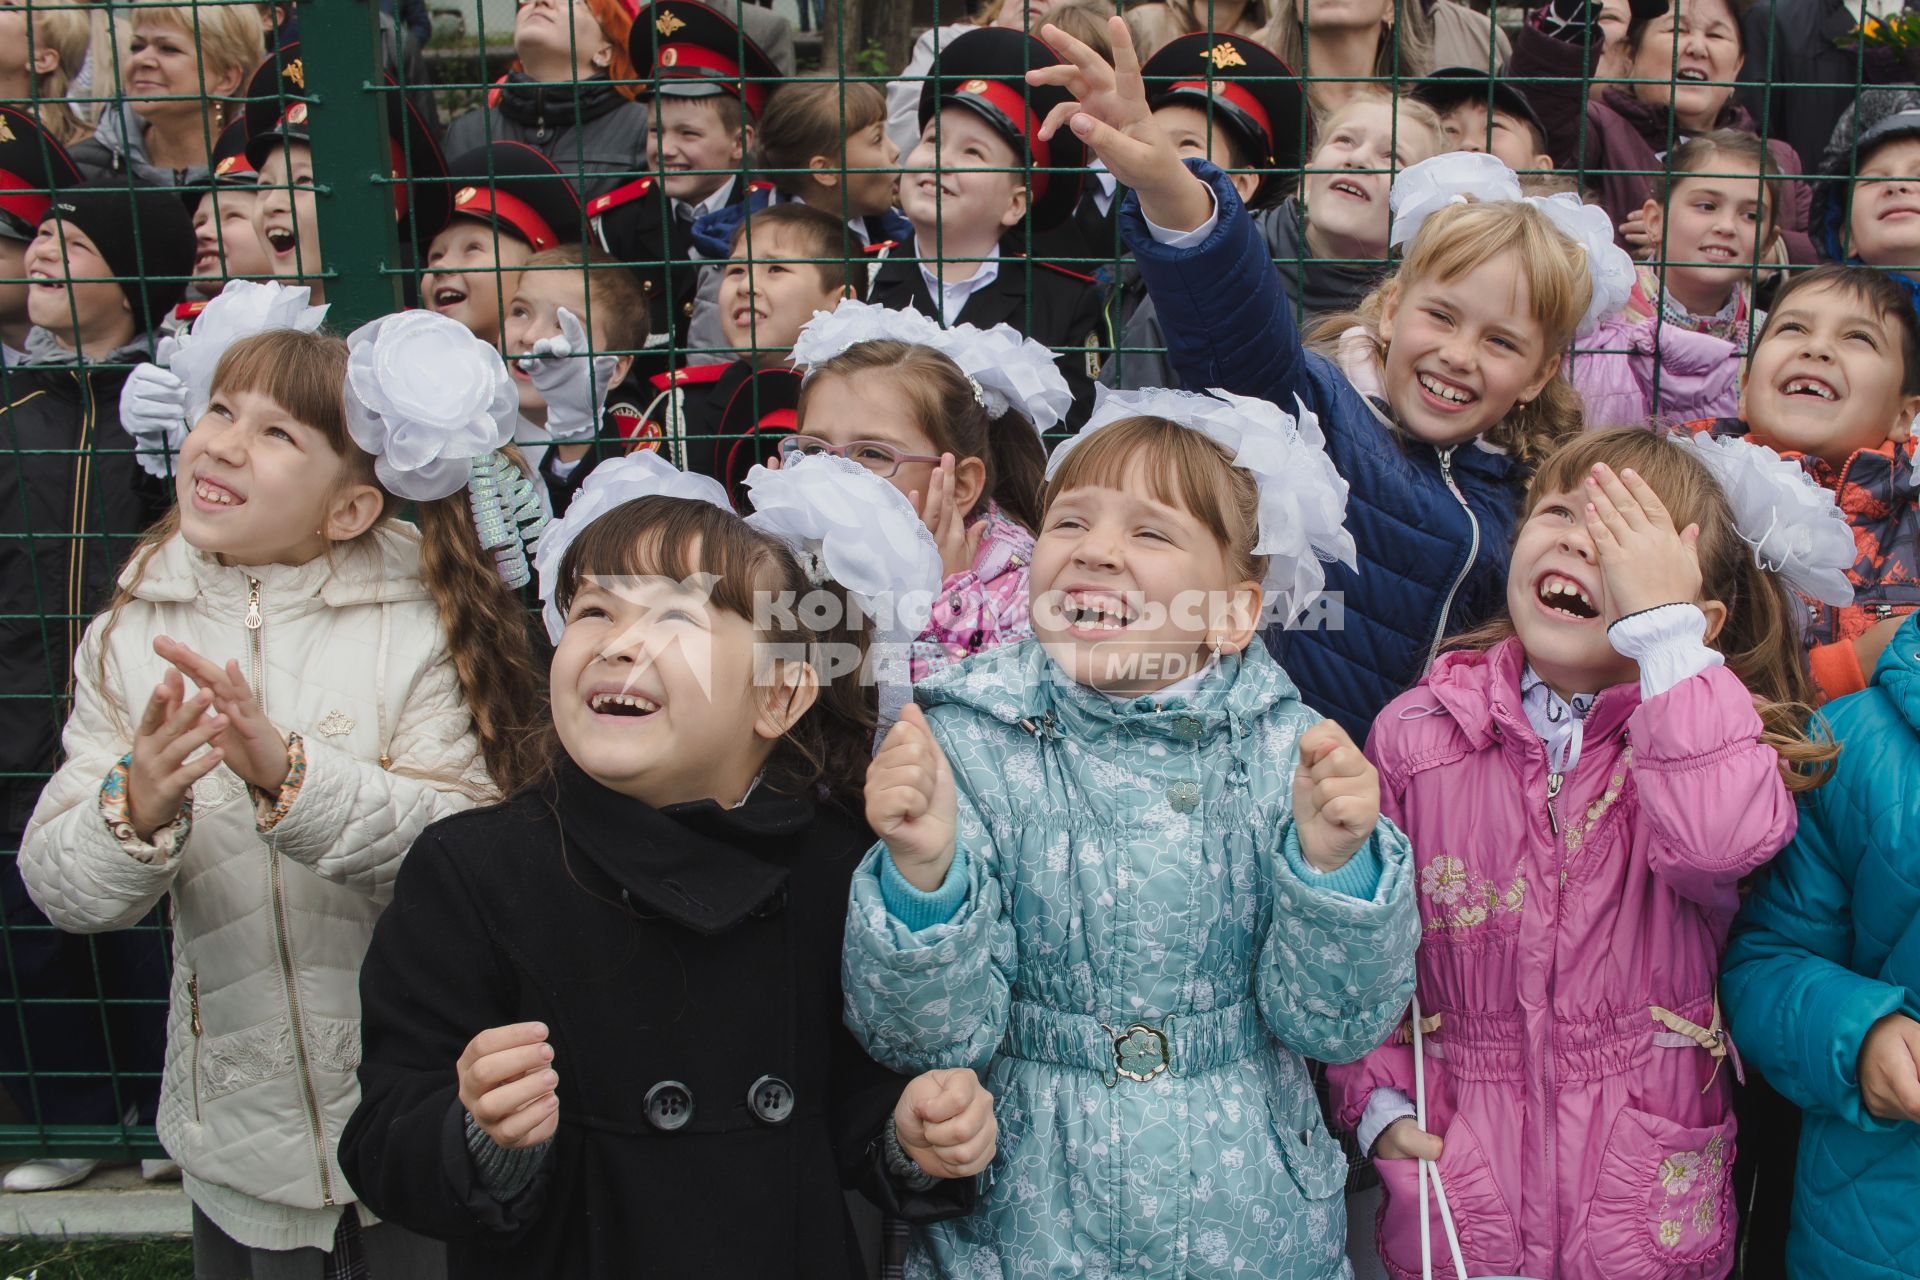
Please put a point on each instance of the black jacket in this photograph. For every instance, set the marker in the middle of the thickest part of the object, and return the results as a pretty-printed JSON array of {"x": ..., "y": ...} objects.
[
  {"x": 693, "y": 947},
  {"x": 72, "y": 505},
  {"x": 599, "y": 140},
  {"x": 1047, "y": 303}
]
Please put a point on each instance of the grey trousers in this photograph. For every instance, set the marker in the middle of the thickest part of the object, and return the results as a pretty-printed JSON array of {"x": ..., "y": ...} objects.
[{"x": 382, "y": 1252}]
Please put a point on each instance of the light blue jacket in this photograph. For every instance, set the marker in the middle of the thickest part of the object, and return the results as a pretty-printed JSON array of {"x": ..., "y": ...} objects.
[{"x": 1129, "y": 863}]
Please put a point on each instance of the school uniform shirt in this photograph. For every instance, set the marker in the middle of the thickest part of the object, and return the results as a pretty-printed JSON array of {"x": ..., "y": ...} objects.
[
  {"x": 1048, "y": 303},
  {"x": 686, "y": 963}
]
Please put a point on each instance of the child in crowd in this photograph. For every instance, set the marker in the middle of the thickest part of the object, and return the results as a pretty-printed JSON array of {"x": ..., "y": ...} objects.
[
  {"x": 32, "y": 164},
  {"x": 1674, "y": 352},
  {"x": 1834, "y": 384},
  {"x": 1329, "y": 243},
  {"x": 353, "y": 678},
  {"x": 1462, "y": 346},
  {"x": 560, "y": 99},
  {"x": 1585, "y": 781},
  {"x": 952, "y": 418},
  {"x": 709, "y": 83},
  {"x": 278, "y": 147},
  {"x": 798, "y": 266},
  {"x": 46, "y": 47},
  {"x": 1125, "y": 870},
  {"x": 512, "y": 205},
  {"x": 225, "y": 246},
  {"x": 1479, "y": 112},
  {"x": 571, "y": 330},
  {"x": 642, "y": 944},
  {"x": 74, "y": 503},
  {"x": 1820, "y": 980},
  {"x": 967, "y": 191},
  {"x": 1862, "y": 214},
  {"x": 824, "y": 143}
]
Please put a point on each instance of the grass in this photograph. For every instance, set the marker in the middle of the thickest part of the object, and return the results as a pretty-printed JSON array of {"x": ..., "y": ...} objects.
[{"x": 45, "y": 1259}]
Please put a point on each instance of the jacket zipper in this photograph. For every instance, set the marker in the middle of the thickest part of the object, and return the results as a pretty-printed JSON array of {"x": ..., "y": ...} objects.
[
  {"x": 1548, "y": 1109},
  {"x": 1473, "y": 549},
  {"x": 193, "y": 1008},
  {"x": 256, "y": 660}
]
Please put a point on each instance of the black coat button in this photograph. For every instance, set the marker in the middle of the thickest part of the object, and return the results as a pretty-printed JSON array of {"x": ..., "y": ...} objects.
[
  {"x": 669, "y": 1105},
  {"x": 770, "y": 1099}
]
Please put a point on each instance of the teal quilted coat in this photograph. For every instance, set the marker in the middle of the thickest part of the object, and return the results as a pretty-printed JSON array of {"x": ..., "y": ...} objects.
[
  {"x": 1130, "y": 901},
  {"x": 1828, "y": 945}
]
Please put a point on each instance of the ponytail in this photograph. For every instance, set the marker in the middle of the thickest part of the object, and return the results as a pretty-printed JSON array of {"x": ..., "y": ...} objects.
[
  {"x": 1016, "y": 467},
  {"x": 487, "y": 640}
]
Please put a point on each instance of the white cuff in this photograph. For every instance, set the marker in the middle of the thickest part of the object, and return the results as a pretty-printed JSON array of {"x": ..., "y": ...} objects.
[
  {"x": 1669, "y": 644},
  {"x": 1384, "y": 1106},
  {"x": 1185, "y": 239}
]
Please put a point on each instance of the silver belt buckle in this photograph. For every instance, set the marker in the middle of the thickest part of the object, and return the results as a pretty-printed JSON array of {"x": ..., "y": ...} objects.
[{"x": 1140, "y": 1051}]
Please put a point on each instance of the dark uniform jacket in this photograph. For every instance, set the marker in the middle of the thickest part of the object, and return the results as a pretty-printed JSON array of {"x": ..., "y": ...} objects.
[
  {"x": 598, "y": 141},
  {"x": 687, "y": 964}
]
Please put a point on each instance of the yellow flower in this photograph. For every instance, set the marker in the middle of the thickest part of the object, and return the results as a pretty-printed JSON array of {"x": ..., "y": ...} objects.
[{"x": 1870, "y": 28}]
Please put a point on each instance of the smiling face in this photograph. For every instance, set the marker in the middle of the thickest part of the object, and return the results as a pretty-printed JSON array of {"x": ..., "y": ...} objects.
[
  {"x": 951, "y": 188},
  {"x": 285, "y": 220},
  {"x": 1348, "y": 179},
  {"x": 1558, "y": 600},
  {"x": 1826, "y": 377},
  {"x": 1883, "y": 225},
  {"x": 692, "y": 147},
  {"x": 533, "y": 313},
  {"x": 765, "y": 301},
  {"x": 1130, "y": 593},
  {"x": 1713, "y": 231},
  {"x": 226, "y": 247},
  {"x": 462, "y": 280},
  {"x": 70, "y": 290},
  {"x": 162, "y": 71},
  {"x": 1462, "y": 352},
  {"x": 1689, "y": 56},
  {"x": 255, "y": 485}
]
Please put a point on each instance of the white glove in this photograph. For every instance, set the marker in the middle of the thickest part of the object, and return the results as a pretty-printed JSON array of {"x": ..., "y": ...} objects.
[
  {"x": 574, "y": 388},
  {"x": 153, "y": 410}
]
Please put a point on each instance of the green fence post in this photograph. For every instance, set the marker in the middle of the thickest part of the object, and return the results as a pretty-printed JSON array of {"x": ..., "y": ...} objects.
[{"x": 359, "y": 241}]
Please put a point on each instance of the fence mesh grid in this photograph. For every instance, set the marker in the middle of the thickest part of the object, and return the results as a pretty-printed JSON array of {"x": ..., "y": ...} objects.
[{"x": 79, "y": 1041}]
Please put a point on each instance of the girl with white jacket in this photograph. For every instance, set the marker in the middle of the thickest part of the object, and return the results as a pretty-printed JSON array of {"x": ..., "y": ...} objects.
[{"x": 289, "y": 685}]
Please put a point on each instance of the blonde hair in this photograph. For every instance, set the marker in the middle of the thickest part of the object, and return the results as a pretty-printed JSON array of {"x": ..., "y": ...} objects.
[
  {"x": 228, "y": 37},
  {"x": 1761, "y": 638},
  {"x": 67, "y": 32},
  {"x": 1406, "y": 110},
  {"x": 1462, "y": 237},
  {"x": 1404, "y": 49}
]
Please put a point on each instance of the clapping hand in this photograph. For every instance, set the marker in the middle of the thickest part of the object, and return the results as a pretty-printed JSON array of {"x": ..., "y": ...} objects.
[{"x": 247, "y": 740}]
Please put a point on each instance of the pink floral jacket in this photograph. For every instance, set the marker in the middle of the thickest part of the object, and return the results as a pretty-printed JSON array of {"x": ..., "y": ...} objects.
[{"x": 982, "y": 607}]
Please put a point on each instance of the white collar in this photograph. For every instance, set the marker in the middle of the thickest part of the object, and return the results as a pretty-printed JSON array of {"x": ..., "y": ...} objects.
[
  {"x": 718, "y": 200},
  {"x": 1558, "y": 721}
]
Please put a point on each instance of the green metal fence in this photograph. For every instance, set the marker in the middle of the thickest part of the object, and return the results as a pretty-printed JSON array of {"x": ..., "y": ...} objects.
[{"x": 368, "y": 272}]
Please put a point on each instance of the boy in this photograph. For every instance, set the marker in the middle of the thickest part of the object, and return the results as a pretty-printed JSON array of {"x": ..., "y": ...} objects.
[
  {"x": 225, "y": 244},
  {"x": 560, "y": 98},
  {"x": 798, "y": 267},
  {"x": 72, "y": 504},
  {"x": 965, "y": 188},
  {"x": 1874, "y": 219},
  {"x": 576, "y": 318},
  {"x": 709, "y": 85},
  {"x": 1481, "y": 113},
  {"x": 513, "y": 205},
  {"x": 1834, "y": 384},
  {"x": 278, "y": 146},
  {"x": 32, "y": 165}
]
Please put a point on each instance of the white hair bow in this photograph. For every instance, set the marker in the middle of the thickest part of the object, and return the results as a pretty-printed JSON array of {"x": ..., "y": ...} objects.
[{"x": 1794, "y": 526}]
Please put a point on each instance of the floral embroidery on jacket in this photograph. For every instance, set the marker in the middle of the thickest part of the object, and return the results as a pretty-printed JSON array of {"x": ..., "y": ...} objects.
[
  {"x": 1690, "y": 1183},
  {"x": 1577, "y": 835},
  {"x": 1460, "y": 901}
]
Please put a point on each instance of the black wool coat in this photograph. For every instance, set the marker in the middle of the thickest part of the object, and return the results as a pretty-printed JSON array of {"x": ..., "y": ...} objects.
[{"x": 693, "y": 948}]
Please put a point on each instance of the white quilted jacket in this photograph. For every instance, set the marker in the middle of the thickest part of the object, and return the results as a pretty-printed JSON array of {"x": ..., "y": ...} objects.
[{"x": 269, "y": 931}]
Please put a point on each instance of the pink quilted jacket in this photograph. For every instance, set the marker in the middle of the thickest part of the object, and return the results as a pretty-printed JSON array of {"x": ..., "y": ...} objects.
[
  {"x": 1629, "y": 377},
  {"x": 983, "y": 606},
  {"x": 1572, "y": 930}
]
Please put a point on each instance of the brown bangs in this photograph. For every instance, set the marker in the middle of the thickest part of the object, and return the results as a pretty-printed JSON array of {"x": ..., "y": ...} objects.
[
  {"x": 303, "y": 373},
  {"x": 676, "y": 538}
]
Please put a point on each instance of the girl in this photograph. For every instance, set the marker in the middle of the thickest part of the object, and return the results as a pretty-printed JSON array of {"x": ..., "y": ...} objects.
[
  {"x": 355, "y": 678},
  {"x": 45, "y": 50},
  {"x": 1674, "y": 351},
  {"x": 1460, "y": 349},
  {"x": 1125, "y": 868},
  {"x": 656, "y": 920},
  {"x": 951, "y": 418},
  {"x": 1586, "y": 781}
]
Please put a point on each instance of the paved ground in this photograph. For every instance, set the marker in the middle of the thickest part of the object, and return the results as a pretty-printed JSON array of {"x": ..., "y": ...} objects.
[{"x": 113, "y": 1202}]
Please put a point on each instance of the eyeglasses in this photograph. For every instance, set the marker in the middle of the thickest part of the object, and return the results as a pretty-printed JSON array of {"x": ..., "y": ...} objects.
[{"x": 881, "y": 459}]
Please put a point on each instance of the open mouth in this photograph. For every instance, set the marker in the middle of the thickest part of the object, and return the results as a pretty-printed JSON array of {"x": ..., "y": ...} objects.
[
  {"x": 209, "y": 493},
  {"x": 624, "y": 706},
  {"x": 1343, "y": 187},
  {"x": 1690, "y": 75},
  {"x": 748, "y": 316},
  {"x": 1813, "y": 387},
  {"x": 37, "y": 279},
  {"x": 1561, "y": 594},
  {"x": 1091, "y": 612},
  {"x": 1716, "y": 253},
  {"x": 281, "y": 240},
  {"x": 1451, "y": 394},
  {"x": 207, "y": 261},
  {"x": 444, "y": 296}
]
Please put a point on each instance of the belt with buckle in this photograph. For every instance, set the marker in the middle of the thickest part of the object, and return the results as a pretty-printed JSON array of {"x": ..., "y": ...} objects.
[{"x": 1179, "y": 1044}]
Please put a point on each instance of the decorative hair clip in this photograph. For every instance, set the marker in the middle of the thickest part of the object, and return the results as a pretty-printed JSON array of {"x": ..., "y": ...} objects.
[
  {"x": 611, "y": 484},
  {"x": 1303, "y": 499},
  {"x": 1005, "y": 369},
  {"x": 1793, "y": 525},
  {"x": 242, "y": 309},
  {"x": 1423, "y": 189},
  {"x": 508, "y": 515},
  {"x": 850, "y": 526}
]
